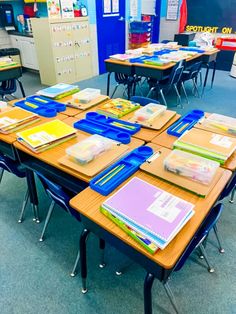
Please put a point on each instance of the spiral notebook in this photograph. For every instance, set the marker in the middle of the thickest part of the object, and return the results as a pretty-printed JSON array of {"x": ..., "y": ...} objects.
[{"x": 144, "y": 207}]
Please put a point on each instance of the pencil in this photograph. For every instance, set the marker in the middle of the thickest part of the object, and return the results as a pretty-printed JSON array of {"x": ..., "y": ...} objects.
[
  {"x": 112, "y": 174},
  {"x": 99, "y": 180},
  {"x": 125, "y": 126},
  {"x": 31, "y": 105}
]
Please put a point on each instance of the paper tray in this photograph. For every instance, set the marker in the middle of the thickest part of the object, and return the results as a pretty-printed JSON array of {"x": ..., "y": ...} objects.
[{"x": 155, "y": 167}]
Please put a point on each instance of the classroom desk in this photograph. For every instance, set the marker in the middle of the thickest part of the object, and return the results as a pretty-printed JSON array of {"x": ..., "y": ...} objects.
[
  {"x": 144, "y": 134},
  {"x": 117, "y": 66},
  {"x": 47, "y": 163},
  {"x": 208, "y": 58},
  {"x": 159, "y": 265},
  {"x": 12, "y": 72}
]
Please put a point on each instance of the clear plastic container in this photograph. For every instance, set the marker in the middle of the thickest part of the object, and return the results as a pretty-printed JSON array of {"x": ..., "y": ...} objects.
[
  {"x": 149, "y": 112},
  {"x": 220, "y": 122},
  {"x": 194, "y": 167},
  {"x": 86, "y": 95},
  {"x": 88, "y": 149}
]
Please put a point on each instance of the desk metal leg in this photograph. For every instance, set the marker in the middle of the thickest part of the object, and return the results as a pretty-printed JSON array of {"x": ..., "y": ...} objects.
[
  {"x": 206, "y": 77},
  {"x": 213, "y": 74},
  {"x": 83, "y": 259},
  {"x": 108, "y": 83},
  {"x": 33, "y": 193},
  {"x": 102, "y": 244},
  {"x": 147, "y": 291},
  {"x": 232, "y": 195},
  {"x": 21, "y": 88}
]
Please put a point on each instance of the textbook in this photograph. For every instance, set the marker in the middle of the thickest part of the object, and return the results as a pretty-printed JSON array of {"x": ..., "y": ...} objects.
[
  {"x": 117, "y": 108},
  {"x": 58, "y": 91},
  {"x": 16, "y": 118},
  {"x": 155, "y": 213},
  {"x": 141, "y": 239},
  {"x": 46, "y": 135},
  {"x": 206, "y": 144}
]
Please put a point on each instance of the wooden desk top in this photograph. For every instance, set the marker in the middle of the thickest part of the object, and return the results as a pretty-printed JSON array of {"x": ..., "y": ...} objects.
[
  {"x": 10, "y": 67},
  {"x": 144, "y": 134},
  {"x": 155, "y": 67},
  {"x": 88, "y": 202},
  {"x": 167, "y": 141},
  {"x": 51, "y": 156},
  {"x": 125, "y": 63},
  {"x": 211, "y": 52}
]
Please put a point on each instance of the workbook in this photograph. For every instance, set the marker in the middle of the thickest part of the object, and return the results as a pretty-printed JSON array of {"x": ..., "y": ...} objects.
[
  {"x": 207, "y": 144},
  {"x": 16, "y": 118},
  {"x": 147, "y": 209},
  {"x": 46, "y": 135},
  {"x": 117, "y": 108},
  {"x": 58, "y": 91}
]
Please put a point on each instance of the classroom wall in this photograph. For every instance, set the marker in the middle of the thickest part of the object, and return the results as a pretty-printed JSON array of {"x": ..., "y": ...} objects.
[{"x": 167, "y": 28}]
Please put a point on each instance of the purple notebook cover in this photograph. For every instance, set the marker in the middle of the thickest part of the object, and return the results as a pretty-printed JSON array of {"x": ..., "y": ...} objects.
[{"x": 133, "y": 201}]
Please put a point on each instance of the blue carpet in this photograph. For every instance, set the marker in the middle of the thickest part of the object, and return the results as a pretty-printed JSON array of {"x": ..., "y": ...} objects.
[{"x": 34, "y": 276}]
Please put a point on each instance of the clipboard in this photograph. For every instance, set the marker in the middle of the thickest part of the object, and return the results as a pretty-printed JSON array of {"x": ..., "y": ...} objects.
[
  {"x": 155, "y": 167},
  {"x": 158, "y": 122},
  {"x": 98, "y": 164},
  {"x": 69, "y": 102}
]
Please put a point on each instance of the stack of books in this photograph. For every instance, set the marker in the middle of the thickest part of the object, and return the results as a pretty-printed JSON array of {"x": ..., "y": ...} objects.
[
  {"x": 155, "y": 215},
  {"x": 46, "y": 135},
  {"x": 58, "y": 91},
  {"x": 6, "y": 62},
  {"x": 15, "y": 119},
  {"x": 206, "y": 144},
  {"x": 117, "y": 108}
]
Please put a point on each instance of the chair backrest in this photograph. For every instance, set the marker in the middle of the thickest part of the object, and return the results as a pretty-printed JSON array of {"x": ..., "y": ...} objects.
[
  {"x": 143, "y": 101},
  {"x": 208, "y": 224},
  {"x": 121, "y": 78},
  {"x": 176, "y": 74},
  {"x": 194, "y": 69},
  {"x": 8, "y": 87},
  {"x": 229, "y": 188},
  {"x": 60, "y": 195},
  {"x": 11, "y": 166}
]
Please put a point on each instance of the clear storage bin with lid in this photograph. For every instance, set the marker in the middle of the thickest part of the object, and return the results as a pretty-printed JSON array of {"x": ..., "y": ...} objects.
[
  {"x": 149, "y": 112},
  {"x": 194, "y": 167},
  {"x": 220, "y": 122},
  {"x": 88, "y": 149},
  {"x": 86, "y": 95}
]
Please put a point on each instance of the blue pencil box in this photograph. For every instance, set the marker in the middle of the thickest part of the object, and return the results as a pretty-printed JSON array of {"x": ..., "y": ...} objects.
[
  {"x": 185, "y": 123},
  {"x": 106, "y": 181},
  {"x": 41, "y": 105},
  {"x": 122, "y": 126}
]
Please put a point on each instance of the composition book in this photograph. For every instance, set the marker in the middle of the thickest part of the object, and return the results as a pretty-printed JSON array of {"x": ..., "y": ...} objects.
[{"x": 155, "y": 213}]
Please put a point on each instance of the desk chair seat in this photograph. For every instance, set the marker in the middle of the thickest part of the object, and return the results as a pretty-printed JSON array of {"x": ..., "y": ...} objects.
[
  {"x": 7, "y": 164},
  {"x": 167, "y": 83},
  {"x": 129, "y": 83},
  {"x": 61, "y": 196},
  {"x": 189, "y": 74},
  {"x": 143, "y": 101}
]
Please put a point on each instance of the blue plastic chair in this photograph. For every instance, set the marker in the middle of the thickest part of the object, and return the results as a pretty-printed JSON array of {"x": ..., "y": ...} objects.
[
  {"x": 164, "y": 86},
  {"x": 191, "y": 74},
  {"x": 9, "y": 87},
  {"x": 198, "y": 242},
  {"x": 61, "y": 196},
  {"x": 230, "y": 189},
  {"x": 143, "y": 101},
  {"x": 128, "y": 81},
  {"x": 7, "y": 164}
]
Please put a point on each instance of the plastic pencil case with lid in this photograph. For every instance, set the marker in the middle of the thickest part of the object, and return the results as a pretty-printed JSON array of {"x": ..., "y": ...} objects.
[
  {"x": 88, "y": 149},
  {"x": 149, "y": 112},
  {"x": 188, "y": 165}
]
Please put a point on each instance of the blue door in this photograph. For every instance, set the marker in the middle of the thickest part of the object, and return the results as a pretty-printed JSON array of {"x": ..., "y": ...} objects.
[{"x": 110, "y": 29}]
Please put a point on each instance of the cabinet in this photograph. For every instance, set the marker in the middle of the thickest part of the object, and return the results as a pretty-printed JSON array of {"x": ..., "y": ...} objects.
[
  {"x": 64, "y": 49},
  {"x": 27, "y": 51}
]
